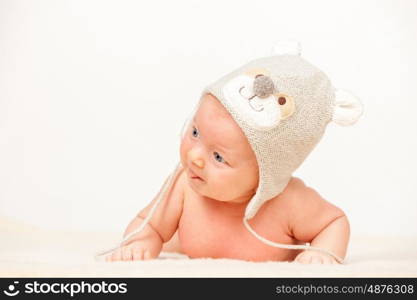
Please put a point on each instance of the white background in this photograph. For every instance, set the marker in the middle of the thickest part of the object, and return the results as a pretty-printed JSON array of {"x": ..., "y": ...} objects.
[{"x": 93, "y": 95}]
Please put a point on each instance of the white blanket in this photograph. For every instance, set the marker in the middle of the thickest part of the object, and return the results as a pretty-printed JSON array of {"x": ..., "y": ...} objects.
[{"x": 28, "y": 251}]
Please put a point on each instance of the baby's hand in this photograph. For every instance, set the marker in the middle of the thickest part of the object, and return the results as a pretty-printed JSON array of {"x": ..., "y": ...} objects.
[
  {"x": 314, "y": 257},
  {"x": 137, "y": 250}
]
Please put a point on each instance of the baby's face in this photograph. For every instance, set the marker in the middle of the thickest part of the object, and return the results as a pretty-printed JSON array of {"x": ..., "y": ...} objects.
[{"x": 216, "y": 155}]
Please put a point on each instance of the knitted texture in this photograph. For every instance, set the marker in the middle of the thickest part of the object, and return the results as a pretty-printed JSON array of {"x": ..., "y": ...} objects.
[{"x": 280, "y": 136}]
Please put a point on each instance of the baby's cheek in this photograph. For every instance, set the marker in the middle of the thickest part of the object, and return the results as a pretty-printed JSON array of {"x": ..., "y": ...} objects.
[
  {"x": 184, "y": 146},
  {"x": 226, "y": 185}
]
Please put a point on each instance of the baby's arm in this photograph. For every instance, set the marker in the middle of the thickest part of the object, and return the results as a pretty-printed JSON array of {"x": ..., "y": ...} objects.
[
  {"x": 148, "y": 243},
  {"x": 320, "y": 223}
]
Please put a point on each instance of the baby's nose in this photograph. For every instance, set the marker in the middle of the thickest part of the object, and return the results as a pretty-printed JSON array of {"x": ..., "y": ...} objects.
[
  {"x": 199, "y": 163},
  {"x": 195, "y": 156}
]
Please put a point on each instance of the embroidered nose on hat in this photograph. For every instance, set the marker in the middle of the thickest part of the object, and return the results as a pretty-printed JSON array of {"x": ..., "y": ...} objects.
[{"x": 263, "y": 86}]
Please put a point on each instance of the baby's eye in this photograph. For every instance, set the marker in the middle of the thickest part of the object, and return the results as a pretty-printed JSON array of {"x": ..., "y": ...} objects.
[
  {"x": 218, "y": 157},
  {"x": 194, "y": 132}
]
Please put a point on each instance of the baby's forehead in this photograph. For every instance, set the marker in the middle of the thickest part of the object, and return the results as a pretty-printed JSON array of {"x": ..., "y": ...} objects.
[
  {"x": 217, "y": 124},
  {"x": 209, "y": 105}
]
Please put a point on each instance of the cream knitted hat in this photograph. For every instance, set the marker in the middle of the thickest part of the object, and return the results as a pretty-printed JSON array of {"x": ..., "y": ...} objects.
[{"x": 283, "y": 104}]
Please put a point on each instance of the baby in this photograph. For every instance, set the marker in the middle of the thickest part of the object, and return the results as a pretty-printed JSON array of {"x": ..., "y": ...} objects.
[{"x": 251, "y": 129}]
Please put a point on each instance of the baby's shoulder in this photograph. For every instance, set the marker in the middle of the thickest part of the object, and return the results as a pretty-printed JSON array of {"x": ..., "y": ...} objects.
[
  {"x": 294, "y": 189},
  {"x": 295, "y": 185},
  {"x": 297, "y": 195}
]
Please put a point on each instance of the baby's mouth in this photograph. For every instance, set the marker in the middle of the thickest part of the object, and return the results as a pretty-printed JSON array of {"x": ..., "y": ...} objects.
[{"x": 194, "y": 176}]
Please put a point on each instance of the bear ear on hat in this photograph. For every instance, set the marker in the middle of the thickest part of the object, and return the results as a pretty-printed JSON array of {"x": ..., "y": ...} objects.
[{"x": 347, "y": 108}]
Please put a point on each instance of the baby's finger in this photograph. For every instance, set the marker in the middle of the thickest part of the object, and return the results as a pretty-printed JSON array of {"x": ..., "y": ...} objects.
[
  {"x": 304, "y": 259},
  {"x": 333, "y": 261},
  {"x": 138, "y": 254},
  {"x": 327, "y": 260},
  {"x": 116, "y": 255},
  {"x": 127, "y": 253},
  {"x": 147, "y": 255},
  {"x": 298, "y": 259},
  {"x": 316, "y": 260}
]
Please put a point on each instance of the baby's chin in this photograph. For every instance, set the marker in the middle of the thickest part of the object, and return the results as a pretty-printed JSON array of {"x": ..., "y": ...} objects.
[{"x": 239, "y": 199}]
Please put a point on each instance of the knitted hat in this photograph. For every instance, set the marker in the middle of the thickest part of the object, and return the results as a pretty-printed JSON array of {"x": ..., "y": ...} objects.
[{"x": 282, "y": 103}]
